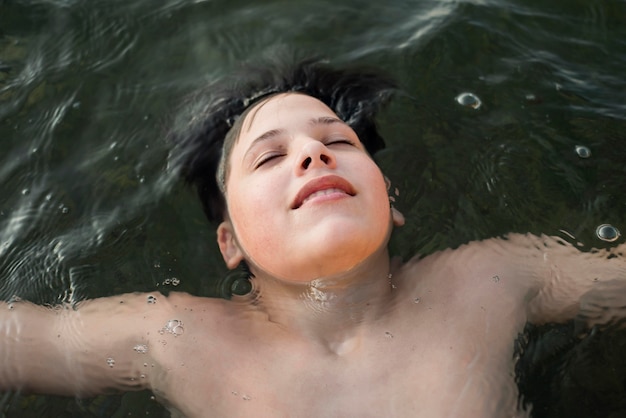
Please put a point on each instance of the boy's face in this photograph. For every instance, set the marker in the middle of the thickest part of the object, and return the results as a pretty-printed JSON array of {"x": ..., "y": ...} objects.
[{"x": 304, "y": 198}]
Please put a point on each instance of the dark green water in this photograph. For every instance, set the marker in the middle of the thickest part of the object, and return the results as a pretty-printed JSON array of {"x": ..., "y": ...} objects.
[{"x": 87, "y": 88}]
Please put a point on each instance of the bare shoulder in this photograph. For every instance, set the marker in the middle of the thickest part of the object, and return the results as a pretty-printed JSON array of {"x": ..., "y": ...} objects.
[
  {"x": 149, "y": 320},
  {"x": 491, "y": 268},
  {"x": 493, "y": 257},
  {"x": 136, "y": 313},
  {"x": 543, "y": 275}
]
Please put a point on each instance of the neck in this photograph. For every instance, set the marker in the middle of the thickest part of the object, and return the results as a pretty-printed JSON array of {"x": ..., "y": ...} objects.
[{"x": 330, "y": 310}]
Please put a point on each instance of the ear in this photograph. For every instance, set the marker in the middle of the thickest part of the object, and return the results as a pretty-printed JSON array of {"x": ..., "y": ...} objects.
[
  {"x": 229, "y": 247},
  {"x": 397, "y": 217}
]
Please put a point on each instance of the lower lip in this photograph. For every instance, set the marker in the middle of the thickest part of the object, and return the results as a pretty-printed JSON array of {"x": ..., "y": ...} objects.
[{"x": 325, "y": 198}]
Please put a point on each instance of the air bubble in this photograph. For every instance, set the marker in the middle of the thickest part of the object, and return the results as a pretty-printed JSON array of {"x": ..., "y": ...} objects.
[
  {"x": 416, "y": 300},
  {"x": 175, "y": 281},
  {"x": 607, "y": 232},
  {"x": 141, "y": 348},
  {"x": 388, "y": 334},
  {"x": 583, "y": 151},
  {"x": 111, "y": 362},
  {"x": 174, "y": 326},
  {"x": 468, "y": 100}
]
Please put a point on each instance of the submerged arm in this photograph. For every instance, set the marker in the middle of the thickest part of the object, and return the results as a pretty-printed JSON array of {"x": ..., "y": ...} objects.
[
  {"x": 100, "y": 346},
  {"x": 568, "y": 282}
]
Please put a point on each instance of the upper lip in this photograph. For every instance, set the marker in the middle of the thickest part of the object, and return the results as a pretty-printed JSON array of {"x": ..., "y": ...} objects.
[{"x": 322, "y": 183}]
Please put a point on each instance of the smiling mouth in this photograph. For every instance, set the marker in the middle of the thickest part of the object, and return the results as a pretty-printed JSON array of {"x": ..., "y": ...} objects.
[{"x": 324, "y": 186}]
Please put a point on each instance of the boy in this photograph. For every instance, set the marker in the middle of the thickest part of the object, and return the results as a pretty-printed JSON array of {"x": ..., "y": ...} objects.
[{"x": 331, "y": 327}]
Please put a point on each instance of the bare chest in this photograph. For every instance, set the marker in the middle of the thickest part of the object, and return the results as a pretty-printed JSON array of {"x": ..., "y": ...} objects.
[{"x": 424, "y": 368}]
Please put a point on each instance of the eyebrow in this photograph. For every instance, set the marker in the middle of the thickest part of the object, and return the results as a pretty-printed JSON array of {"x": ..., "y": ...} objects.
[{"x": 325, "y": 120}]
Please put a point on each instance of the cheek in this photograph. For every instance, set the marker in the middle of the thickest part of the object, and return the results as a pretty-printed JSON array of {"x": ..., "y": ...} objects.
[
  {"x": 380, "y": 194},
  {"x": 251, "y": 210}
]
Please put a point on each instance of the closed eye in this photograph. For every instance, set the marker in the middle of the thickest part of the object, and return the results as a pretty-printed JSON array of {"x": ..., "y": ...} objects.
[
  {"x": 267, "y": 158},
  {"x": 339, "y": 142}
]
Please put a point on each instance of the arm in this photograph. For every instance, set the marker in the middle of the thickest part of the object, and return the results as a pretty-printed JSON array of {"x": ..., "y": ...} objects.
[
  {"x": 566, "y": 281},
  {"x": 98, "y": 347}
]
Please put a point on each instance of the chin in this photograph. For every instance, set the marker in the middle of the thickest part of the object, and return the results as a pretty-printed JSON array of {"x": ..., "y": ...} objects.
[{"x": 346, "y": 246}]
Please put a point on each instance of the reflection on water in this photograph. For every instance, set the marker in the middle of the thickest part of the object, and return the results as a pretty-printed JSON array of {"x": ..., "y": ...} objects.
[{"x": 89, "y": 208}]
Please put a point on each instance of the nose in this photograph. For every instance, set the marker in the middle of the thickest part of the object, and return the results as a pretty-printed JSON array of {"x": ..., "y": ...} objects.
[{"x": 315, "y": 154}]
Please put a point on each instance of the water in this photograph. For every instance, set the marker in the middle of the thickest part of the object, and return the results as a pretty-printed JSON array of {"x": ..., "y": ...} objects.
[{"x": 87, "y": 88}]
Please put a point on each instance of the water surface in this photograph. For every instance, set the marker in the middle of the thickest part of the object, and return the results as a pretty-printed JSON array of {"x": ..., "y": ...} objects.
[{"x": 88, "y": 207}]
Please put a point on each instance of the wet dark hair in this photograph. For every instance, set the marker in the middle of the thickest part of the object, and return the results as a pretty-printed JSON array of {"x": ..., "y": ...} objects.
[{"x": 354, "y": 94}]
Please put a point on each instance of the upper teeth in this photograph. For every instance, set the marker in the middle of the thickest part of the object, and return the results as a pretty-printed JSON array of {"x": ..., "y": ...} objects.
[{"x": 322, "y": 192}]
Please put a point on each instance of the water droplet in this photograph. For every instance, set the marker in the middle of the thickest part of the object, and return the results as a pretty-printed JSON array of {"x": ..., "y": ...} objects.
[
  {"x": 151, "y": 299},
  {"x": 388, "y": 334},
  {"x": 583, "y": 151},
  {"x": 25, "y": 191},
  {"x": 141, "y": 348},
  {"x": 111, "y": 362},
  {"x": 607, "y": 232},
  {"x": 76, "y": 105},
  {"x": 246, "y": 398},
  {"x": 143, "y": 376},
  {"x": 174, "y": 326},
  {"x": 175, "y": 281},
  {"x": 468, "y": 100},
  {"x": 416, "y": 300},
  {"x": 495, "y": 279}
]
